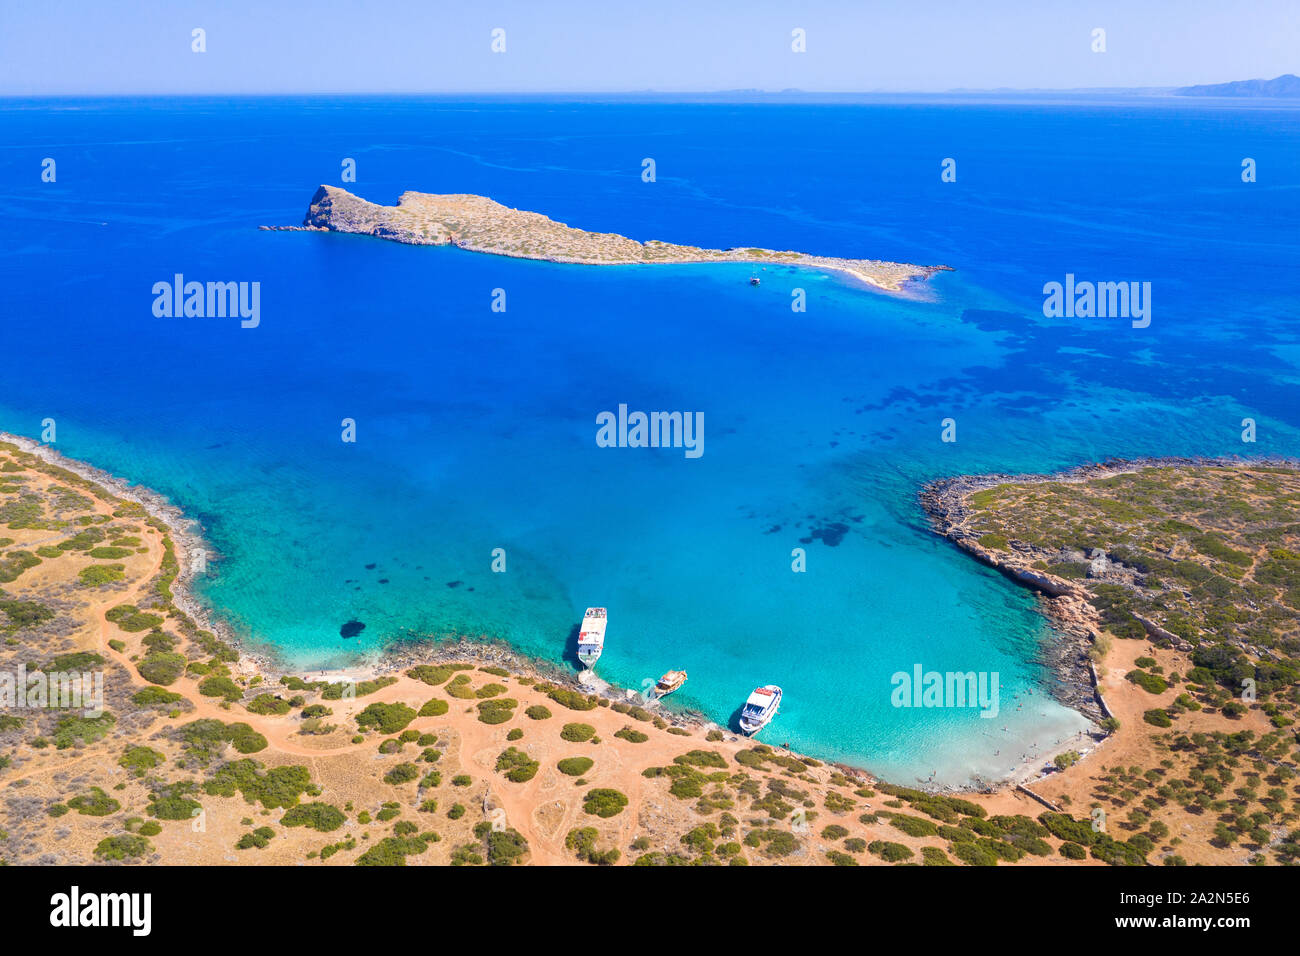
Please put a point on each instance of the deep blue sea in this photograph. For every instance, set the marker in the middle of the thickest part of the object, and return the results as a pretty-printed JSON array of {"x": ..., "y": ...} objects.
[{"x": 476, "y": 429}]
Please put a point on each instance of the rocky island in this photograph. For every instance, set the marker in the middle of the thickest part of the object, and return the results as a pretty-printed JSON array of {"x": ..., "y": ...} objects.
[{"x": 479, "y": 224}]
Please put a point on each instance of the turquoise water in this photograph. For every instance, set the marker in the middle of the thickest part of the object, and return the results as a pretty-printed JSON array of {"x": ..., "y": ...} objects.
[{"x": 476, "y": 429}]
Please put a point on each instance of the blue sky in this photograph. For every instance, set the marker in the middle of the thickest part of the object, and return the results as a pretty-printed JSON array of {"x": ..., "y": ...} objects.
[{"x": 144, "y": 46}]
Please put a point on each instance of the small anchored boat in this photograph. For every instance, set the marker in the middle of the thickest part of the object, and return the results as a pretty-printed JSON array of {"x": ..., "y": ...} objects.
[
  {"x": 669, "y": 683},
  {"x": 591, "y": 636},
  {"x": 760, "y": 708}
]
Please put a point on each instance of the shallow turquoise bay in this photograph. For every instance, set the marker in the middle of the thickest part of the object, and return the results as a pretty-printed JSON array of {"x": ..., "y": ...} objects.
[{"x": 476, "y": 429}]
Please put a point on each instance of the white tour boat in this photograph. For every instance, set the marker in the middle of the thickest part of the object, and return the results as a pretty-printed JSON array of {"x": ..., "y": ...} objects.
[
  {"x": 760, "y": 708},
  {"x": 591, "y": 636}
]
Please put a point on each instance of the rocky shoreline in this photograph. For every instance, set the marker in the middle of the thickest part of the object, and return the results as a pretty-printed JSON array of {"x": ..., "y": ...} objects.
[
  {"x": 946, "y": 504},
  {"x": 478, "y": 224},
  {"x": 187, "y": 538}
]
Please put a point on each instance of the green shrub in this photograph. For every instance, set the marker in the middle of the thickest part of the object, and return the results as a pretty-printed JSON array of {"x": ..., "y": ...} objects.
[
  {"x": 108, "y": 553},
  {"x": 505, "y": 847},
  {"x": 434, "y": 674},
  {"x": 913, "y": 826},
  {"x": 975, "y": 853},
  {"x": 571, "y": 699},
  {"x": 1150, "y": 683},
  {"x": 318, "y": 816},
  {"x": 497, "y": 711},
  {"x": 163, "y": 667},
  {"x": 22, "y": 614},
  {"x": 129, "y": 618},
  {"x": 775, "y": 843},
  {"x": 460, "y": 688},
  {"x": 139, "y": 759},
  {"x": 156, "y": 697},
  {"x": 701, "y": 758},
  {"x": 468, "y": 855},
  {"x": 582, "y": 842},
  {"x": 603, "y": 802},
  {"x": 436, "y": 707},
  {"x": 392, "y": 851},
  {"x": 575, "y": 766},
  {"x": 96, "y": 575},
  {"x": 245, "y": 739},
  {"x": 74, "y": 729},
  {"x": 127, "y": 846},
  {"x": 258, "y": 838},
  {"x": 1066, "y": 760},
  {"x": 173, "y": 801},
  {"x": 94, "y": 803},
  {"x": 402, "y": 773},
  {"x": 205, "y": 739},
  {"x": 1072, "y": 851},
  {"x": 1157, "y": 717},
  {"x": 933, "y": 856},
  {"x": 222, "y": 687},
  {"x": 1065, "y": 827},
  {"x": 338, "y": 690},
  {"x": 268, "y": 704},
  {"x": 577, "y": 733},
  {"x": 385, "y": 718},
  {"x": 277, "y": 787},
  {"x": 1116, "y": 852},
  {"x": 517, "y": 765},
  {"x": 838, "y": 803},
  {"x": 75, "y": 661},
  {"x": 888, "y": 851}
]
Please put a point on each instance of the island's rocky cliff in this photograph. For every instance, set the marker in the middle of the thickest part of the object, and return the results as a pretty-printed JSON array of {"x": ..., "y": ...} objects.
[{"x": 479, "y": 224}]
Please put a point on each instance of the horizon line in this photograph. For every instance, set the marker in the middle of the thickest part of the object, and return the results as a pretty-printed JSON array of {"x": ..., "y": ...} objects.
[{"x": 955, "y": 91}]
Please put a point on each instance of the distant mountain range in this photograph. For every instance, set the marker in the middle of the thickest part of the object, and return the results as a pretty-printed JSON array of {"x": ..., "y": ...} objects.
[{"x": 1286, "y": 85}]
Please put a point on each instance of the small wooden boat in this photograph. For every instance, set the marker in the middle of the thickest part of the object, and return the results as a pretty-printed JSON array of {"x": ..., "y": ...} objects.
[{"x": 669, "y": 683}]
